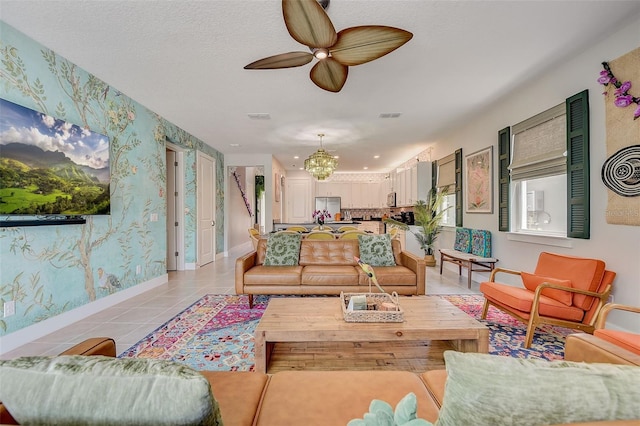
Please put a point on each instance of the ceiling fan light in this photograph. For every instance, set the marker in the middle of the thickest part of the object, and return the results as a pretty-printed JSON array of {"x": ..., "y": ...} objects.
[{"x": 321, "y": 53}]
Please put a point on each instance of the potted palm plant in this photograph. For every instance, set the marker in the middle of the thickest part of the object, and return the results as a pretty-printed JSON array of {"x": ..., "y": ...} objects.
[{"x": 428, "y": 217}]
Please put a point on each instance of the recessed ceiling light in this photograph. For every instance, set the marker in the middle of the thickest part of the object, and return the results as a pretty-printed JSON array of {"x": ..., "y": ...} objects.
[
  {"x": 301, "y": 168},
  {"x": 365, "y": 168},
  {"x": 376, "y": 156},
  {"x": 295, "y": 157},
  {"x": 259, "y": 116},
  {"x": 336, "y": 156},
  {"x": 390, "y": 114},
  {"x": 235, "y": 145}
]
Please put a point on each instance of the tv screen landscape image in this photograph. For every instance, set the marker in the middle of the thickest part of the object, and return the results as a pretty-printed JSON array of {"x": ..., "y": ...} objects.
[{"x": 49, "y": 166}]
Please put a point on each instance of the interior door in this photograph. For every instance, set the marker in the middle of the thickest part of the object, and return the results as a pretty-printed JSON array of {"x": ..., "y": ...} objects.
[
  {"x": 172, "y": 221},
  {"x": 299, "y": 203},
  {"x": 206, "y": 183}
]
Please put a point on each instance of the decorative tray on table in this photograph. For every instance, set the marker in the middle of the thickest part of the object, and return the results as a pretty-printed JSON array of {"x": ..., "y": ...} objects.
[{"x": 384, "y": 308}]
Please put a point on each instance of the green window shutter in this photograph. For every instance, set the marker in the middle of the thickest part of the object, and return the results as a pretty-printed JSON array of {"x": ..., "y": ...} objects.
[
  {"x": 504, "y": 156},
  {"x": 578, "y": 213},
  {"x": 459, "y": 187}
]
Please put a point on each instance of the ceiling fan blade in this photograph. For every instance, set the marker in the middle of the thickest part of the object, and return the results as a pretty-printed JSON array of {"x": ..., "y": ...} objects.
[
  {"x": 308, "y": 23},
  {"x": 283, "y": 60},
  {"x": 359, "y": 45},
  {"x": 329, "y": 75}
]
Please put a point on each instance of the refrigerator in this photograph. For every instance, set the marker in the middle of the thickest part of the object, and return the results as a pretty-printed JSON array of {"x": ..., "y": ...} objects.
[{"x": 332, "y": 204}]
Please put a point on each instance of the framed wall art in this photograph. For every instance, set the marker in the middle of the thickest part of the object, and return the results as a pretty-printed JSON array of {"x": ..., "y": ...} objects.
[{"x": 478, "y": 185}]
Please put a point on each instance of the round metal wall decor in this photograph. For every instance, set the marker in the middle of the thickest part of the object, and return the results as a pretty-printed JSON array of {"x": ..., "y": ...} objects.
[{"x": 621, "y": 172}]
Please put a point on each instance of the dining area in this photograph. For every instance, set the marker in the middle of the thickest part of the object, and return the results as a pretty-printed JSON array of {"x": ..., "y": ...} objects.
[
  {"x": 317, "y": 232},
  {"x": 322, "y": 232}
]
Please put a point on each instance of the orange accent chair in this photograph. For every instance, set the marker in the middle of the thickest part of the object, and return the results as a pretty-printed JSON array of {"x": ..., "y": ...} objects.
[
  {"x": 566, "y": 291},
  {"x": 624, "y": 339}
]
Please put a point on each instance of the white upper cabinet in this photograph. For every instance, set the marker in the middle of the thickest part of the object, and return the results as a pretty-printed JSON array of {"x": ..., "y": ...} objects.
[{"x": 413, "y": 184}]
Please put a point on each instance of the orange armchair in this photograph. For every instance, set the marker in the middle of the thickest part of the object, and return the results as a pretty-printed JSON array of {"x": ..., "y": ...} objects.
[
  {"x": 567, "y": 291},
  {"x": 624, "y": 339}
]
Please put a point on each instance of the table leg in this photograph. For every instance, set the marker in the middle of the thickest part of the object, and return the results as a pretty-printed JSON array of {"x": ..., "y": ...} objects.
[
  {"x": 469, "y": 269},
  {"x": 479, "y": 345},
  {"x": 260, "y": 353}
]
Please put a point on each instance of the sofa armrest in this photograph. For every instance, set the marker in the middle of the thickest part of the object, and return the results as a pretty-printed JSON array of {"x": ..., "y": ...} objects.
[
  {"x": 243, "y": 264},
  {"x": 583, "y": 347},
  {"x": 417, "y": 265},
  {"x": 105, "y": 346}
]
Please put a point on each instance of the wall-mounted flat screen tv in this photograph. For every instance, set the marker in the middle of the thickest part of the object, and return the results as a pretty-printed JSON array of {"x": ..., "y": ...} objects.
[{"x": 51, "y": 167}]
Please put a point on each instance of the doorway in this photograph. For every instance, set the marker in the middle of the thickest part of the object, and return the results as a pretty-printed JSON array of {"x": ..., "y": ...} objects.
[
  {"x": 206, "y": 196},
  {"x": 175, "y": 208}
]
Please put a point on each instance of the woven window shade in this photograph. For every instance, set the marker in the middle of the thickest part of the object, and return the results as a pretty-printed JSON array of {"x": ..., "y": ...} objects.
[
  {"x": 539, "y": 145},
  {"x": 446, "y": 172}
]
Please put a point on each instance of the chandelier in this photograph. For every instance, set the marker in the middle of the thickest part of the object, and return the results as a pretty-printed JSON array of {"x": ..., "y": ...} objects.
[{"x": 320, "y": 164}]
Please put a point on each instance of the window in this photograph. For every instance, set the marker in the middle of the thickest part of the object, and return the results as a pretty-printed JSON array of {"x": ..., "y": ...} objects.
[
  {"x": 448, "y": 176},
  {"x": 544, "y": 188}
]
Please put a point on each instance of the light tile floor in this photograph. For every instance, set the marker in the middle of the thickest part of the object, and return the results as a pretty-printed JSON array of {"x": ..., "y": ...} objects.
[{"x": 133, "y": 319}]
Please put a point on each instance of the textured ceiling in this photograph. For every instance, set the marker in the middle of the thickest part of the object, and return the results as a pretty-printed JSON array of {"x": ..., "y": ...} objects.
[{"x": 184, "y": 60}]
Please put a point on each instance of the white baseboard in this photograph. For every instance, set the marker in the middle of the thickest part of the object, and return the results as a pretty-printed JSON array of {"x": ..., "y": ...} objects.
[
  {"x": 33, "y": 332},
  {"x": 190, "y": 266}
]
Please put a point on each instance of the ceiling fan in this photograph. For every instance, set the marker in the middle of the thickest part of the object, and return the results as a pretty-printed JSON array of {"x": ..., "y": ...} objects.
[{"x": 308, "y": 23}]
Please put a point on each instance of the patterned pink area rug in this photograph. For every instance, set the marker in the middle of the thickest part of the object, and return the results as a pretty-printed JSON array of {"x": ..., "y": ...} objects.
[{"x": 216, "y": 333}]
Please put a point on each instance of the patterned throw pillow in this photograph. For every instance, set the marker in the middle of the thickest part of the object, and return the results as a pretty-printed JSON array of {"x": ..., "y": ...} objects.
[
  {"x": 481, "y": 243},
  {"x": 283, "y": 250},
  {"x": 98, "y": 390},
  {"x": 463, "y": 240},
  {"x": 376, "y": 250}
]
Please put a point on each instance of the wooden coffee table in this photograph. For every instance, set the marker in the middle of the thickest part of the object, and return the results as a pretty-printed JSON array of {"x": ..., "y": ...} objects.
[{"x": 320, "y": 319}]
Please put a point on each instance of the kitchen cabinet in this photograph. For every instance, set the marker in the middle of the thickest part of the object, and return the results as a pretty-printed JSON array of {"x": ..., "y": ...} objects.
[
  {"x": 413, "y": 184},
  {"x": 335, "y": 189},
  {"x": 355, "y": 195},
  {"x": 401, "y": 236},
  {"x": 400, "y": 185},
  {"x": 366, "y": 195},
  {"x": 374, "y": 226},
  {"x": 358, "y": 197}
]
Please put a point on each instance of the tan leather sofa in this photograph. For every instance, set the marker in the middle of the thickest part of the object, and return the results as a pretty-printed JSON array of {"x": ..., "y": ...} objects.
[
  {"x": 327, "y": 267},
  {"x": 304, "y": 397}
]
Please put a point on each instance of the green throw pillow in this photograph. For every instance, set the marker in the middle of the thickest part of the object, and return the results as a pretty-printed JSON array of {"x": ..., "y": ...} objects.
[
  {"x": 376, "y": 250},
  {"x": 98, "y": 390},
  {"x": 283, "y": 250},
  {"x": 381, "y": 414},
  {"x": 486, "y": 389}
]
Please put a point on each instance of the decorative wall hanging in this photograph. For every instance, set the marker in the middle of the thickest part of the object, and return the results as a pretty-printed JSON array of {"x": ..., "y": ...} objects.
[
  {"x": 478, "y": 194},
  {"x": 621, "y": 170}
]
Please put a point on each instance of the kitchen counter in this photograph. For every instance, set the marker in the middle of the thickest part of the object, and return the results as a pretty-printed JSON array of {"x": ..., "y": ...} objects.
[{"x": 309, "y": 225}]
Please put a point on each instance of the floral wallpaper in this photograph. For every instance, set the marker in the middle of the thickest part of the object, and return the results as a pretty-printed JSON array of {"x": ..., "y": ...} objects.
[{"x": 48, "y": 270}]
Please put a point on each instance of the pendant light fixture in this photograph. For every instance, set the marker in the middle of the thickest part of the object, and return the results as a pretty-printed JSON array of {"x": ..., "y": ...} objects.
[{"x": 320, "y": 164}]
